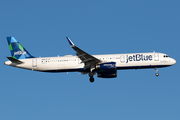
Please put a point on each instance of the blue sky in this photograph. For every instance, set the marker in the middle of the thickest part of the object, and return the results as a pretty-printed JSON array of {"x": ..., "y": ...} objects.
[{"x": 97, "y": 27}]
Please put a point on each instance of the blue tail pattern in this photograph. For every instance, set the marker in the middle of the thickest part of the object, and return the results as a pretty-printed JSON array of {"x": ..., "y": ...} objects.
[{"x": 17, "y": 50}]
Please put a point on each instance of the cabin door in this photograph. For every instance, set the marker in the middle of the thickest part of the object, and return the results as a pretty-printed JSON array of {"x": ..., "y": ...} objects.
[
  {"x": 34, "y": 62},
  {"x": 156, "y": 57}
]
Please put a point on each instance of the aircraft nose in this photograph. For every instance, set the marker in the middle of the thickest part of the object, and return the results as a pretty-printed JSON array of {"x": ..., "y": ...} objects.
[{"x": 173, "y": 61}]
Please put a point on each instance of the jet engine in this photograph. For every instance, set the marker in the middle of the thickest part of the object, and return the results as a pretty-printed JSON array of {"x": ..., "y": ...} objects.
[
  {"x": 106, "y": 70},
  {"x": 107, "y": 74}
]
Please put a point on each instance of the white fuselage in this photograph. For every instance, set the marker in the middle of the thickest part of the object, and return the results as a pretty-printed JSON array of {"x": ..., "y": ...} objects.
[{"x": 71, "y": 63}]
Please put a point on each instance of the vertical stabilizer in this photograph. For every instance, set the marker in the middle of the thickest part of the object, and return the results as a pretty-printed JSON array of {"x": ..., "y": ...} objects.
[{"x": 17, "y": 50}]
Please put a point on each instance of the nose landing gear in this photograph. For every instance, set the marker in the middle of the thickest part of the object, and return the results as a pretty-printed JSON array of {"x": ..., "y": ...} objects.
[{"x": 157, "y": 74}]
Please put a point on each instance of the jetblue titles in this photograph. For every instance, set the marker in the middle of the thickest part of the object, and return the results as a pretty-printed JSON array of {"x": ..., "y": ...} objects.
[
  {"x": 19, "y": 53},
  {"x": 138, "y": 57}
]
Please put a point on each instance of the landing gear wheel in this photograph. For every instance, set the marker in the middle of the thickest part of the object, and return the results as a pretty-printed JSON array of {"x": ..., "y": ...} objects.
[
  {"x": 91, "y": 79},
  {"x": 157, "y": 74},
  {"x": 156, "y": 70}
]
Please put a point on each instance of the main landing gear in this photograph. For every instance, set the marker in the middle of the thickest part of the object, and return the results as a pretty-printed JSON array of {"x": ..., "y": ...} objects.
[
  {"x": 157, "y": 74},
  {"x": 91, "y": 79}
]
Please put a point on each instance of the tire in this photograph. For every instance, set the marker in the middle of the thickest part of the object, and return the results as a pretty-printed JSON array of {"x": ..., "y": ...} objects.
[
  {"x": 91, "y": 79},
  {"x": 157, "y": 74}
]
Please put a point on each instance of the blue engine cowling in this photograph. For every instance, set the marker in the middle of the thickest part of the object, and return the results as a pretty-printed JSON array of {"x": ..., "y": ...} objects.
[
  {"x": 106, "y": 66},
  {"x": 108, "y": 74}
]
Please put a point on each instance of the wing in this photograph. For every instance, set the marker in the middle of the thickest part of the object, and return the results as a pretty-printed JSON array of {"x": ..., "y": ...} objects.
[{"x": 86, "y": 58}]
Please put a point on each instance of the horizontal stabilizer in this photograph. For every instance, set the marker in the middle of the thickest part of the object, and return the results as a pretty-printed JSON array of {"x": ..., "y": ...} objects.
[{"x": 13, "y": 60}]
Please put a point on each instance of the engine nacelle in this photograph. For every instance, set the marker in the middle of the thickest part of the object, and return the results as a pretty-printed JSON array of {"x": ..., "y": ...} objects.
[
  {"x": 108, "y": 74},
  {"x": 106, "y": 66}
]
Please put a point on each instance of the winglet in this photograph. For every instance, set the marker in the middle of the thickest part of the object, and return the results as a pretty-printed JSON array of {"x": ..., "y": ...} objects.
[{"x": 70, "y": 42}]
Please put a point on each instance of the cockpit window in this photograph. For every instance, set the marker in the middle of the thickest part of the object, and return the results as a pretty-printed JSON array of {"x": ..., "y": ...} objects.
[{"x": 166, "y": 56}]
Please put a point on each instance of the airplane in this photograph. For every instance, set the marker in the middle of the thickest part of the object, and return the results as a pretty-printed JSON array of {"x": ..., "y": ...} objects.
[{"x": 105, "y": 66}]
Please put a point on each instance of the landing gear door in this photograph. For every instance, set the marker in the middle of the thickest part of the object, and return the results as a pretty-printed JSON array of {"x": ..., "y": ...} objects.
[
  {"x": 34, "y": 62},
  {"x": 156, "y": 57}
]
